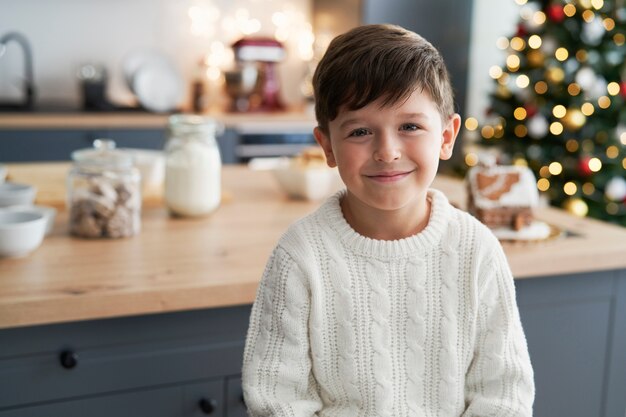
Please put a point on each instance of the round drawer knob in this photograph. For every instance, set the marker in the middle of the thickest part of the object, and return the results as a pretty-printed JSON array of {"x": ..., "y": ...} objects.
[
  {"x": 69, "y": 359},
  {"x": 207, "y": 405}
]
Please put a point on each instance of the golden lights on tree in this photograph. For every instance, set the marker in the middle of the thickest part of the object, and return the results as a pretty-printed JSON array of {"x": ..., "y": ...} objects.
[{"x": 554, "y": 91}]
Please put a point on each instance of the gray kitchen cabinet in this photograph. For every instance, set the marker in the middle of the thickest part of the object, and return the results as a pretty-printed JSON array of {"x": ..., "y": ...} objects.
[
  {"x": 576, "y": 332},
  {"x": 175, "y": 364},
  {"x": 616, "y": 378},
  {"x": 160, "y": 402},
  {"x": 17, "y": 145}
]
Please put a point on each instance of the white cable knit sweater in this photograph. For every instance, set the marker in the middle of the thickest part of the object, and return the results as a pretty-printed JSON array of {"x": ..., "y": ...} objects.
[{"x": 344, "y": 325}]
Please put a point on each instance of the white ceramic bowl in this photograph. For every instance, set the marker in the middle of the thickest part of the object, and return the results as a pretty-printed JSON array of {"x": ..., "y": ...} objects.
[
  {"x": 21, "y": 232},
  {"x": 12, "y": 194},
  {"x": 312, "y": 183},
  {"x": 151, "y": 165},
  {"x": 48, "y": 212}
]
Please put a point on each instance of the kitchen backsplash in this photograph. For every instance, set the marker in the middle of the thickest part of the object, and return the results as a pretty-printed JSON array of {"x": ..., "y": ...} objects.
[{"x": 65, "y": 34}]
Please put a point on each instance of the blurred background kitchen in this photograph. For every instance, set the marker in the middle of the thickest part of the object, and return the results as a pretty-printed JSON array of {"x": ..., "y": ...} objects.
[
  {"x": 65, "y": 35},
  {"x": 87, "y": 56}
]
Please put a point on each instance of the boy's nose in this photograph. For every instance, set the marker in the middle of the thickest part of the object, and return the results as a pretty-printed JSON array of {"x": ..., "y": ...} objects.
[{"x": 387, "y": 149}]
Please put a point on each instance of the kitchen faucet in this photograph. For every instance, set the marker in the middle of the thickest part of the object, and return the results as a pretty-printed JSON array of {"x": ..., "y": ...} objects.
[{"x": 29, "y": 81}]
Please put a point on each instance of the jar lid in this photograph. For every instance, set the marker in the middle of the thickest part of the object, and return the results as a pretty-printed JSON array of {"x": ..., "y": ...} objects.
[
  {"x": 194, "y": 124},
  {"x": 103, "y": 154}
]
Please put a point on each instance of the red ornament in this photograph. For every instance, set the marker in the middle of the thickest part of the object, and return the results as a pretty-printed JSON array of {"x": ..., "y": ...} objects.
[
  {"x": 555, "y": 13},
  {"x": 622, "y": 89},
  {"x": 583, "y": 166},
  {"x": 531, "y": 110},
  {"x": 521, "y": 31}
]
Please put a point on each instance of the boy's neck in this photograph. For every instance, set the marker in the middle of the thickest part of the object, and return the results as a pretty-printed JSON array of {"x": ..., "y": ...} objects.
[{"x": 384, "y": 224}]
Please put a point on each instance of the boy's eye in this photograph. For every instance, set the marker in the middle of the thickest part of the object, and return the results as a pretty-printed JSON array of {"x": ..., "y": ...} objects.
[
  {"x": 359, "y": 132},
  {"x": 409, "y": 127}
]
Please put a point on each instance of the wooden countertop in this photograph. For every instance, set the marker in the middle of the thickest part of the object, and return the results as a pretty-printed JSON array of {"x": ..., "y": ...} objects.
[
  {"x": 292, "y": 121},
  {"x": 183, "y": 264}
]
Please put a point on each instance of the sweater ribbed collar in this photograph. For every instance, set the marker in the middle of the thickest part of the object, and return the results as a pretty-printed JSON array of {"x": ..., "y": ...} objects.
[{"x": 421, "y": 242}]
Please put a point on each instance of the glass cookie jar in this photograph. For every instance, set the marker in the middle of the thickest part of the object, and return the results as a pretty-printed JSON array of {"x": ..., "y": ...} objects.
[
  {"x": 104, "y": 193},
  {"x": 192, "y": 166}
]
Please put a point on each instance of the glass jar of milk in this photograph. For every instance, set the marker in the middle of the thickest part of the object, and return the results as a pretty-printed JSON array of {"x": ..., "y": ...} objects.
[{"x": 192, "y": 166}]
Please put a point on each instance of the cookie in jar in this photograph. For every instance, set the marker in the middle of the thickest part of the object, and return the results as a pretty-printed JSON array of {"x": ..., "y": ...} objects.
[{"x": 104, "y": 193}]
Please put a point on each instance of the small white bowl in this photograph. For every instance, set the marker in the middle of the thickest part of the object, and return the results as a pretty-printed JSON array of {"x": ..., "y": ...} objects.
[
  {"x": 151, "y": 165},
  {"x": 312, "y": 183},
  {"x": 12, "y": 194},
  {"x": 48, "y": 212},
  {"x": 21, "y": 232}
]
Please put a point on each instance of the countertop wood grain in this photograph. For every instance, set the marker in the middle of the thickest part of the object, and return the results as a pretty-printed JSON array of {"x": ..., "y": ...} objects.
[{"x": 184, "y": 264}]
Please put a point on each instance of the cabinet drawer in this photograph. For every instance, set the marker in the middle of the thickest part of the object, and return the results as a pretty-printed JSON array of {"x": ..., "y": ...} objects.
[
  {"x": 216, "y": 325},
  {"x": 175, "y": 401},
  {"x": 119, "y": 354},
  {"x": 97, "y": 371}
]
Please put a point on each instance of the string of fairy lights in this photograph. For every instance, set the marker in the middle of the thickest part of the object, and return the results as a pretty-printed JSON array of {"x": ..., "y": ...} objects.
[{"x": 558, "y": 104}]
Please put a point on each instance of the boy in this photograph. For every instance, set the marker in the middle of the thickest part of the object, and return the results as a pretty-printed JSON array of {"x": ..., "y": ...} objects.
[{"x": 387, "y": 301}]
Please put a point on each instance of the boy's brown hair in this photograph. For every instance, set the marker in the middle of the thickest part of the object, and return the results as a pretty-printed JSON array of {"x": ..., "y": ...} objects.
[{"x": 372, "y": 61}]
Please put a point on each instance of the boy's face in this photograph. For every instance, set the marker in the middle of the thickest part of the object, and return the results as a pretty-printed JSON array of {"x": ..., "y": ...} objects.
[{"x": 388, "y": 156}]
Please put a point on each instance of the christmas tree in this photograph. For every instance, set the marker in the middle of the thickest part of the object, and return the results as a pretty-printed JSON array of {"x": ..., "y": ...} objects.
[{"x": 559, "y": 103}]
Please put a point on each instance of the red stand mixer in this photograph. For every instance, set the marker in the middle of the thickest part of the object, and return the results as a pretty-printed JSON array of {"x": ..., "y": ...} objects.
[{"x": 254, "y": 84}]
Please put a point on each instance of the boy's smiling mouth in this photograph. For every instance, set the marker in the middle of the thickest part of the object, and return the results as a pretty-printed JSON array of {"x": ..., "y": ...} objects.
[{"x": 389, "y": 176}]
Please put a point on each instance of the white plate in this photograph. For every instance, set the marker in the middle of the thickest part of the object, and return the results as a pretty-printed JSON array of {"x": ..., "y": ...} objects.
[
  {"x": 136, "y": 59},
  {"x": 537, "y": 230},
  {"x": 154, "y": 79},
  {"x": 158, "y": 88}
]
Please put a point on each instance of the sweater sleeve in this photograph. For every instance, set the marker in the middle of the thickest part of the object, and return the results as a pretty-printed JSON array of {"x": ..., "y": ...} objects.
[
  {"x": 499, "y": 381},
  {"x": 276, "y": 376}
]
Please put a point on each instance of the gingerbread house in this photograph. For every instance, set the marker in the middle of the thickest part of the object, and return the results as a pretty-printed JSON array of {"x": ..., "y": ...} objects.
[{"x": 502, "y": 196}]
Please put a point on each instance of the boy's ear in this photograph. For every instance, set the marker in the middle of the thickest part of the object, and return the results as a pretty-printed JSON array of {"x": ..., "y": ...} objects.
[
  {"x": 449, "y": 134},
  {"x": 324, "y": 141}
]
